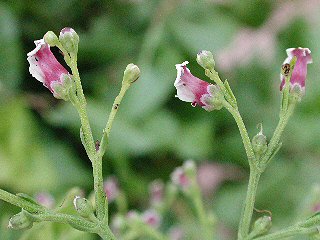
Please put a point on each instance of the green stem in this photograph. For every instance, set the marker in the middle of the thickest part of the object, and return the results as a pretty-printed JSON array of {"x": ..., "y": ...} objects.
[
  {"x": 20, "y": 202},
  {"x": 82, "y": 111},
  {"x": 76, "y": 222},
  {"x": 277, "y": 133},
  {"x": 201, "y": 214},
  {"x": 113, "y": 112},
  {"x": 288, "y": 232},
  {"x": 246, "y": 216},
  {"x": 100, "y": 196},
  {"x": 106, "y": 234},
  {"x": 89, "y": 142},
  {"x": 243, "y": 132}
]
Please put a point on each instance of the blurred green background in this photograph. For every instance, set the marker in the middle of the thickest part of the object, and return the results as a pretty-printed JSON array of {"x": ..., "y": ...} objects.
[{"x": 154, "y": 132}]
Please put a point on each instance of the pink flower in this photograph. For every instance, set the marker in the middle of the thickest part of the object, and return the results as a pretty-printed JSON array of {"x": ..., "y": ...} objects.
[
  {"x": 299, "y": 73},
  {"x": 156, "y": 191},
  {"x": 46, "y": 69},
  {"x": 111, "y": 188},
  {"x": 180, "y": 178},
  {"x": 152, "y": 218},
  {"x": 192, "y": 89}
]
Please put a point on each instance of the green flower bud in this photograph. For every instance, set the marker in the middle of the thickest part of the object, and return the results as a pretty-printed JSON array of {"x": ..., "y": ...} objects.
[
  {"x": 51, "y": 38},
  {"x": 296, "y": 93},
  {"x": 131, "y": 74},
  {"x": 259, "y": 143},
  {"x": 20, "y": 221},
  {"x": 83, "y": 207},
  {"x": 205, "y": 59},
  {"x": 261, "y": 226},
  {"x": 69, "y": 39},
  {"x": 61, "y": 88}
]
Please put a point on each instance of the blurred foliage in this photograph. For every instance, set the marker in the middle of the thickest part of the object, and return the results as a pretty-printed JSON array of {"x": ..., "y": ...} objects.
[{"x": 40, "y": 149}]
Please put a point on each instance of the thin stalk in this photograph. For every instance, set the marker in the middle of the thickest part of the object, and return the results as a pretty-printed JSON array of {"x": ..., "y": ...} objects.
[
  {"x": 202, "y": 216},
  {"x": 243, "y": 132},
  {"x": 288, "y": 232},
  {"x": 82, "y": 111},
  {"x": 106, "y": 132},
  {"x": 246, "y": 216},
  {"x": 100, "y": 196},
  {"x": 20, "y": 202},
  {"x": 278, "y": 132}
]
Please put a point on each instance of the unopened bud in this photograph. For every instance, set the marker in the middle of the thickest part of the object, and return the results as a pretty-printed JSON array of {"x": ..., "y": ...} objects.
[
  {"x": 83, "y": 207},
  {"x": 213, "y": 100},
  {"x": 262, "y": 225},
  {"x": 69, "y": 40},
  {"x": 20, "y": 221},
  {"x": 131, "y": 74},
  {"x": 61, "y": 89},
  {"x": 51, "y": 38},
  {"x": 296, "y": 93},
  {"x": 259, "y": 142},
  {"x": 205, "y": 59}
]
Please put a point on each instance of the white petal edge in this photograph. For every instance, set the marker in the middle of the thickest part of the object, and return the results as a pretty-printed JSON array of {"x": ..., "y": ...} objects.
[
  {"x": 38, "y": 44},
  {"x": 35, "y": 69}
]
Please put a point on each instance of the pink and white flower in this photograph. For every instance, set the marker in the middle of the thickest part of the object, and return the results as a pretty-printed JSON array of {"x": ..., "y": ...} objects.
[
  {"x": 192, "y": 89},
  {"x": 156, "y": 191},
  {"x": 151, "y": 217},
  {"x": 299, "y": 74},
  {"x": 180, "y": 178},
  {"x": 45, "y": 68}
]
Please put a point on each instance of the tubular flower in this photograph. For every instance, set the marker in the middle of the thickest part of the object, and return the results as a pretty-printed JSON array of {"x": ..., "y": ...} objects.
[
  {"x": 46, "y": 69},
  {"x": 299, "y": 74},
  {"x": 194, "y": 90}
]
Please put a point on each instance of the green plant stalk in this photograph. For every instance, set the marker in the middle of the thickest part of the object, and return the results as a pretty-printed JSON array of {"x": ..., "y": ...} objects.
[
  {"x": 20, "y": 202},
  {"x": 246, "y": 216},
  {"x": 90, "y": 145},
  {"x": 277, "y": 133},
  {"x": 106, "y": 132},
  {"x": 255, "y": 173},
  {"x": 82, "y": 111},
  {"x": 288, "y": 232},
  {"x": 243, "y": 132},
  {"x": 201, "y": 214},
  {"x": 100, "y": 196}
]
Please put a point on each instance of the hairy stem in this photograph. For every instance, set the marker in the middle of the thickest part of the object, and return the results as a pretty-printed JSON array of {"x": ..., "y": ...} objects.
[
  {"x": 288, "y": 232},
  {"x": 20, "y": 202},
  {"x": 243, "y": 132},
  {"x": 246, "y": 216},
  {"x": 113, "y": 112},
  {"x": 272, "y": 146}
]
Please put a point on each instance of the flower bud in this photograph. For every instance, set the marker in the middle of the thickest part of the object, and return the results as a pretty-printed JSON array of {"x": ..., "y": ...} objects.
[
  {"x": 131, "y": 74},
  {"x": 259, "y": 143},
  {"x": 20, "y": 221},
  {"x": 61, "y": 88},
  {"x": 69, "y": 39},
  {"x": 205, "y": 59},
  {"x": 296, "y": 93},
  {"x": 83, "y": 207},
  {"x": 261, "y": 226},
  {"x": 51, "y": 38}
]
